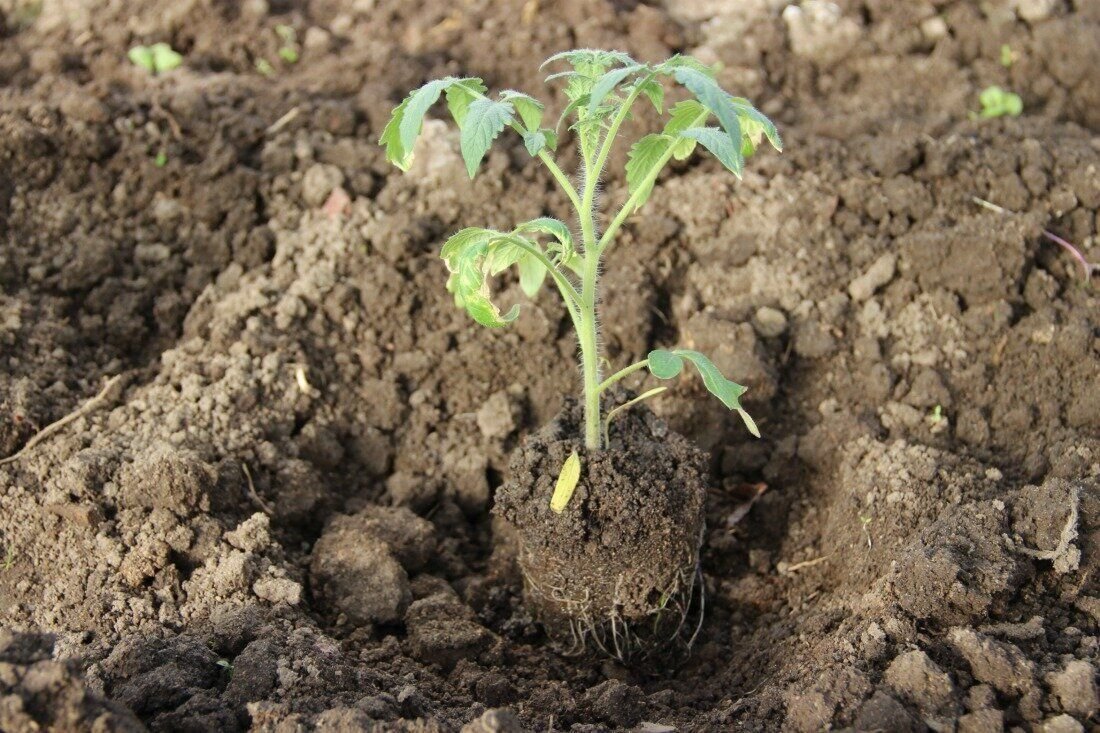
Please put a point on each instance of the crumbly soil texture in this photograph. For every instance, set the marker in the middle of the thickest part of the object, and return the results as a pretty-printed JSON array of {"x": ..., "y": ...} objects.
[{"x": 280, "y": 515}]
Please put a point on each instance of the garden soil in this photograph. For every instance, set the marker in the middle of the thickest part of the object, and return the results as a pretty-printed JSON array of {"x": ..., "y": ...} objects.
[{"x": 278, "y": 517}]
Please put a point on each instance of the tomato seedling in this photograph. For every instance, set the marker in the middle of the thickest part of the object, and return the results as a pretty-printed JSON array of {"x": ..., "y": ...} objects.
[{"x": 601, "y": 88}]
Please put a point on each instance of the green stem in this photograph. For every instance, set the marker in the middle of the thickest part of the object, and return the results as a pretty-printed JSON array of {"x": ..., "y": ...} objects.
[
  {"x": 623, "y": 373},
  {"x": 590, "y": 353},
  {"x": 611, "y": 415}
]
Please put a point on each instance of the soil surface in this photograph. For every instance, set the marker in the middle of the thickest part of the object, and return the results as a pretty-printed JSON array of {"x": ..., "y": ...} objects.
[{"x": 278, "y": 518}]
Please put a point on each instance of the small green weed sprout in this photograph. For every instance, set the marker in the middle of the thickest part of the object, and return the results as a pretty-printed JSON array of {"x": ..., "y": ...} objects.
[
  {"x": 601, "y": 87},
  {"x": 996, "y": 102},
  {"x": 1008, "y": 56},
  {"x": 155, "y": 59},
  {"x": 288, "y": 52}
]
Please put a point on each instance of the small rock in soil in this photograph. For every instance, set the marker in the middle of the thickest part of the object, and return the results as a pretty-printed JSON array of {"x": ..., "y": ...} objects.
[
  {"x": 498, "y": 417},
  {"x": 882, "y": 712},
  {"x": 982, "y": 721},
  {"x": 168, "y": 478},
  {"x": 1062, "y": 724},
  {"x": 769, "y": 322},
  {"x": 998, "y": 663}
]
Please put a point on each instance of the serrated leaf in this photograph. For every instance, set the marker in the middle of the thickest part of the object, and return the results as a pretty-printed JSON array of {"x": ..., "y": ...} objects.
[
  {"x": 534, "y": 142},
  {"x": 470, "y": 255},
  {"x": 590, "y": 56},
  {"x": 711, "y": 96},
  {"x": 653, "y": 91},
  {"x": 566, "y": 484},
  {"x": 665, "y": 364},
  {"x": 719, "y": 145},
  {"x": 548, "y": 225},
  {"x": 607, "y": 82},
  {"x": 485, "y": 119},
  {"x": 681, "y": 61},
  {"x": 416, "y": 106},
  {"x": 532, "y": 273},
  {"x": 391, "y": 138},
  {"x": 528, "y": 108},
  {"x": 643, "y": 156},
  {"x": 461, "y": 95},
  {"x": 754, "y": 122},
  {"x": 684, "y": 115}
]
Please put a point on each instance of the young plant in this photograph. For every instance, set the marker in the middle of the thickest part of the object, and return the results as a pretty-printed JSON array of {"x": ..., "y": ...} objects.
[
  {"x": 602, "y": 88},
  {"x": 156, "y": 59},
  {"x": 996, "y": 102}
]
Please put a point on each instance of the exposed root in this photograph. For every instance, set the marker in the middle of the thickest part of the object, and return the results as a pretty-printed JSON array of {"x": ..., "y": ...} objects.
[{"x": 662, "y": 633}]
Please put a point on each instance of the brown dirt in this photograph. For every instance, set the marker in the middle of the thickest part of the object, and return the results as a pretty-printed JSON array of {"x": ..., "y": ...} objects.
[{"x": 924, "y": 371}]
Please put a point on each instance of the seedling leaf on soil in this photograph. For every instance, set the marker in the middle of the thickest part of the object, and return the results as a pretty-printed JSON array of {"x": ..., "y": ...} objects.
[
  {"x": 996, "y": 102},
  {"x": 601, "y": 88},
  {"x": 155, "y": 59}
]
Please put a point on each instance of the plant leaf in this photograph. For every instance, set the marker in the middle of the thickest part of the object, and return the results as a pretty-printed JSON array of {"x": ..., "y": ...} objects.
[
  {"x": 590, "y": 56},
  {"x": 683, "y": 116},
  {"x": 641, "y": 159},
  {"x": 665, "y": 364},
  {"x": 460, "y": 95},
  {"x": 532, "y": 273},
  {"x": 547, "y": 225},
  {"x": 534, "y": 142},
  {"x": 718, "y": 143},
  {"x": 417, "y": 105},
  {"x": 391, "y": 138},
  {"x": 164, "y": 58},
  {"x": 469, "y": 256},
  {"x": 655, "y": 93},
  {"x": 529, "y": 109},
  {"x": 607, "y": 82},
  {"x": 711, "y": 96},
  {"x": 484, "y": 121},
  {"x": 681, "y": 61},
  {"x": 753, "y": 123},
  {"x": 142, "y": 56},
  {"x": 566, "y": 484}
]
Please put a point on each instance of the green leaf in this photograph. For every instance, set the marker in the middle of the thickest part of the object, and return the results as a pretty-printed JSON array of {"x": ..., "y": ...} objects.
[
  {"x": 164, "y": 58},
  {"x": 528, "y": 108},
  {"x": 469, "y": 256},
  {"x": 534, "y": 142},
  {"x": 719, "y": 145},
  {"x": 485, "y": 120},
  {"x": 665, "y": 364},
  {"x": 643, "y": 156},
  {"x": 607, "y": 82},
  {"x": 416, "y": 106},
  {"x": 391, "y": 138},
  {"x": 655, "y": 93},
  {"x": 680, "y": 61},
  {"x": 590, "y": 56},
  {"x": 711, "y": 96},
  {"x": 567, "y": 483},
  {"x": 142, "y": 56},
  {"x": 532, "y": 273},
  {"x": 754, "y": 124},
  {"x": 547, "y": 225},
  {"x": 460, "y": 95},
  {"x": 684, "y": 115},
  {"x": 156, "y": 58}
]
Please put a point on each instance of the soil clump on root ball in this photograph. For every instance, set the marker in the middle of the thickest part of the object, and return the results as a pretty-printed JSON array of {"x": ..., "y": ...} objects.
[{"x": 618, "y": 569}]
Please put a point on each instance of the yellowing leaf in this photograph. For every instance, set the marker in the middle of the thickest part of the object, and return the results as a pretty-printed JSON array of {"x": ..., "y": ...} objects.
[{"x": 567, "y": 483}]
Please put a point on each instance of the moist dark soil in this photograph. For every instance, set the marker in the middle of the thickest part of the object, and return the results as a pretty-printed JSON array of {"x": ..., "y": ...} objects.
[
  {"x": 280, "y": 516},
  {"x": 618, "y": 568}
]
